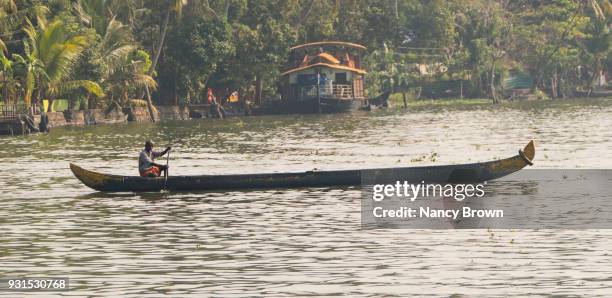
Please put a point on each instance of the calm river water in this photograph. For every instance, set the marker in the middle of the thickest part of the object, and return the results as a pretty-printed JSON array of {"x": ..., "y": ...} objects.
[{"x": 294, "y": 241}]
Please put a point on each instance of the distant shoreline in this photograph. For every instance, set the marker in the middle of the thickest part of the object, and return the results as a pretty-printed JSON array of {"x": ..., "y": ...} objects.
[{"x": 181, "y": 113}]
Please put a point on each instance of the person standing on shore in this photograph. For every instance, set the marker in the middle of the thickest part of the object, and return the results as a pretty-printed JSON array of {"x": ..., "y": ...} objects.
[
  {"x": 215, "y": 107},
  {"x": 146, "y": 161},
  {"x": 210, "y": 96}
]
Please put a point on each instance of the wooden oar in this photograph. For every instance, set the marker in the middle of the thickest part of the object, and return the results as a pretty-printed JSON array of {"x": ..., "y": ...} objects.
[{"x": 166, "y": 173}]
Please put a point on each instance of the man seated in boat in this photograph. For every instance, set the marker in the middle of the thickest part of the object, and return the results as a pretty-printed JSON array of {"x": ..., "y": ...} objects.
[{"x": 146, "y": 165}]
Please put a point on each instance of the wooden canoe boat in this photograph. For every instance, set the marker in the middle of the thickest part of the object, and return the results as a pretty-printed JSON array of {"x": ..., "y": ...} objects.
[{"x": 473, "y": 173}]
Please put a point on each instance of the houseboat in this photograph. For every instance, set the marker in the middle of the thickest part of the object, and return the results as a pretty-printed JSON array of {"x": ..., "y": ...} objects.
[{"x": 323, "y": 77}]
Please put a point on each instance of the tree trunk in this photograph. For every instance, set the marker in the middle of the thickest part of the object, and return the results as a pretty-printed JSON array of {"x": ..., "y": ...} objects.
[
  {"x": 561, "y": 83},
  {"x": 395, "y": 10},
  {"x": 318, "y": 92},
  {"x": 553, "y": 85},
  {"x": 492, "y": 83},
  {"x": 501, "y": 84},
  {"x": 5, "y": 93},
  {"x": 461, "y": 88},
  {"x": 226, "y": 9},
  {"x": 396, "y": 15},
  {"x": 258, "y": 89},
  {"x": 595, "y": 74},
  {"x": 404, "y": 99},
  {"x": 38, "y": 100},
  {"x": 160, "y": 45},
  {"x": 175, "y": 95},
  {"x": 50, "y": 106},
  {"x": 306, "y": 13},
  {"x": 481, "y": 86},
  {"x": 28, "y": 98},
  {"x": 150, "y": 105}
]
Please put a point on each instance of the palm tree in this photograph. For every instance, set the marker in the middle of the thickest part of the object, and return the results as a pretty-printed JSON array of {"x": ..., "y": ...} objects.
[
  {"x": 93, "y": 13},
  {"x": 50, "y": 57},
  {"x": 9, "y": 85},
  {"x": 128, "y": 11},
  {"x": 97, "y": 13},
  {"x": 11, "y": 17},
  {"x": 128, "y": 75},
  {"x": 115, "y": 46},
  {"x": 7, "y": 7},
  {"x": 177, "y": 7},
  {"x": 33, "y": 68},
  {"x": 114, "y": 49},
  {"x": 120, "y": 72}
]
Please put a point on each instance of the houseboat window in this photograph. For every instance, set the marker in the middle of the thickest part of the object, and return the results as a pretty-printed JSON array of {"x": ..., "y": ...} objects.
[
  {"x": 341, "y": 78},
  {"x": 307, "y": 79}
]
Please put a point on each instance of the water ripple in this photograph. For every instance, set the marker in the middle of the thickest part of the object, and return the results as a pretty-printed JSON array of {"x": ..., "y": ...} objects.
[{"x": 300, "y": 241}]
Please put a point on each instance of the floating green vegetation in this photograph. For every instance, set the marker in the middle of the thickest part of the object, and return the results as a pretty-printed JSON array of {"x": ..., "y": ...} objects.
[{"x": 396, "y": 103}]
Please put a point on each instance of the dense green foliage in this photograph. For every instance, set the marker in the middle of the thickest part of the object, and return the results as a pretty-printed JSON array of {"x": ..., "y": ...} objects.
[{"x": 109, "y": 52}]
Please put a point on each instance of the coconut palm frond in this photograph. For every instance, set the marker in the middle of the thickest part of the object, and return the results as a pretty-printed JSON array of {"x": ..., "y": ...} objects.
[
  {"x": 16, "y": 19},
  {"x": 6, "y": 63},
  {"x": 92, "y": 13},
  {"x": 597, "y": 10},
  {"x": 606, "y": 6},
  {"x": 58, "y": 53},
  {"x": 138, "y": 103},
  {"x": 30, "y": 67},
  {"x": 89, "y": 86},
  {"x": 33, "y": 69},
  {"x": 3, "y": 48},
  {"x": 116, "y": 33},
  {"x": 132, "y": 72},
  {"x": 143, "y": 80},
  {"x": 114, "y": 60},
  {"x": 115, "y": 47},
  {"x": 18, "y": 58},
  {"x": 50, "y": 56},
  {"x": 81, "y": 12},
  {"x": 8, "y": 6}
]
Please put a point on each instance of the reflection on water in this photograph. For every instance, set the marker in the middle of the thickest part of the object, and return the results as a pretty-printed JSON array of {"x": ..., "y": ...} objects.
[{"x": 295, "y": 241}]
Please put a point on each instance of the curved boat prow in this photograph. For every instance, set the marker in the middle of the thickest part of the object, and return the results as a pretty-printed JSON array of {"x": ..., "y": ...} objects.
[
  {"x": 528, "y": 152},
  {"x": 499, "y": 168}
]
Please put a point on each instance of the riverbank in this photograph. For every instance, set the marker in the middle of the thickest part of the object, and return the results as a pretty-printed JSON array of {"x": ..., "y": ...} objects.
[
  {"x": 19, "y": 125},
  {"x": 165, "y": 113}
]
